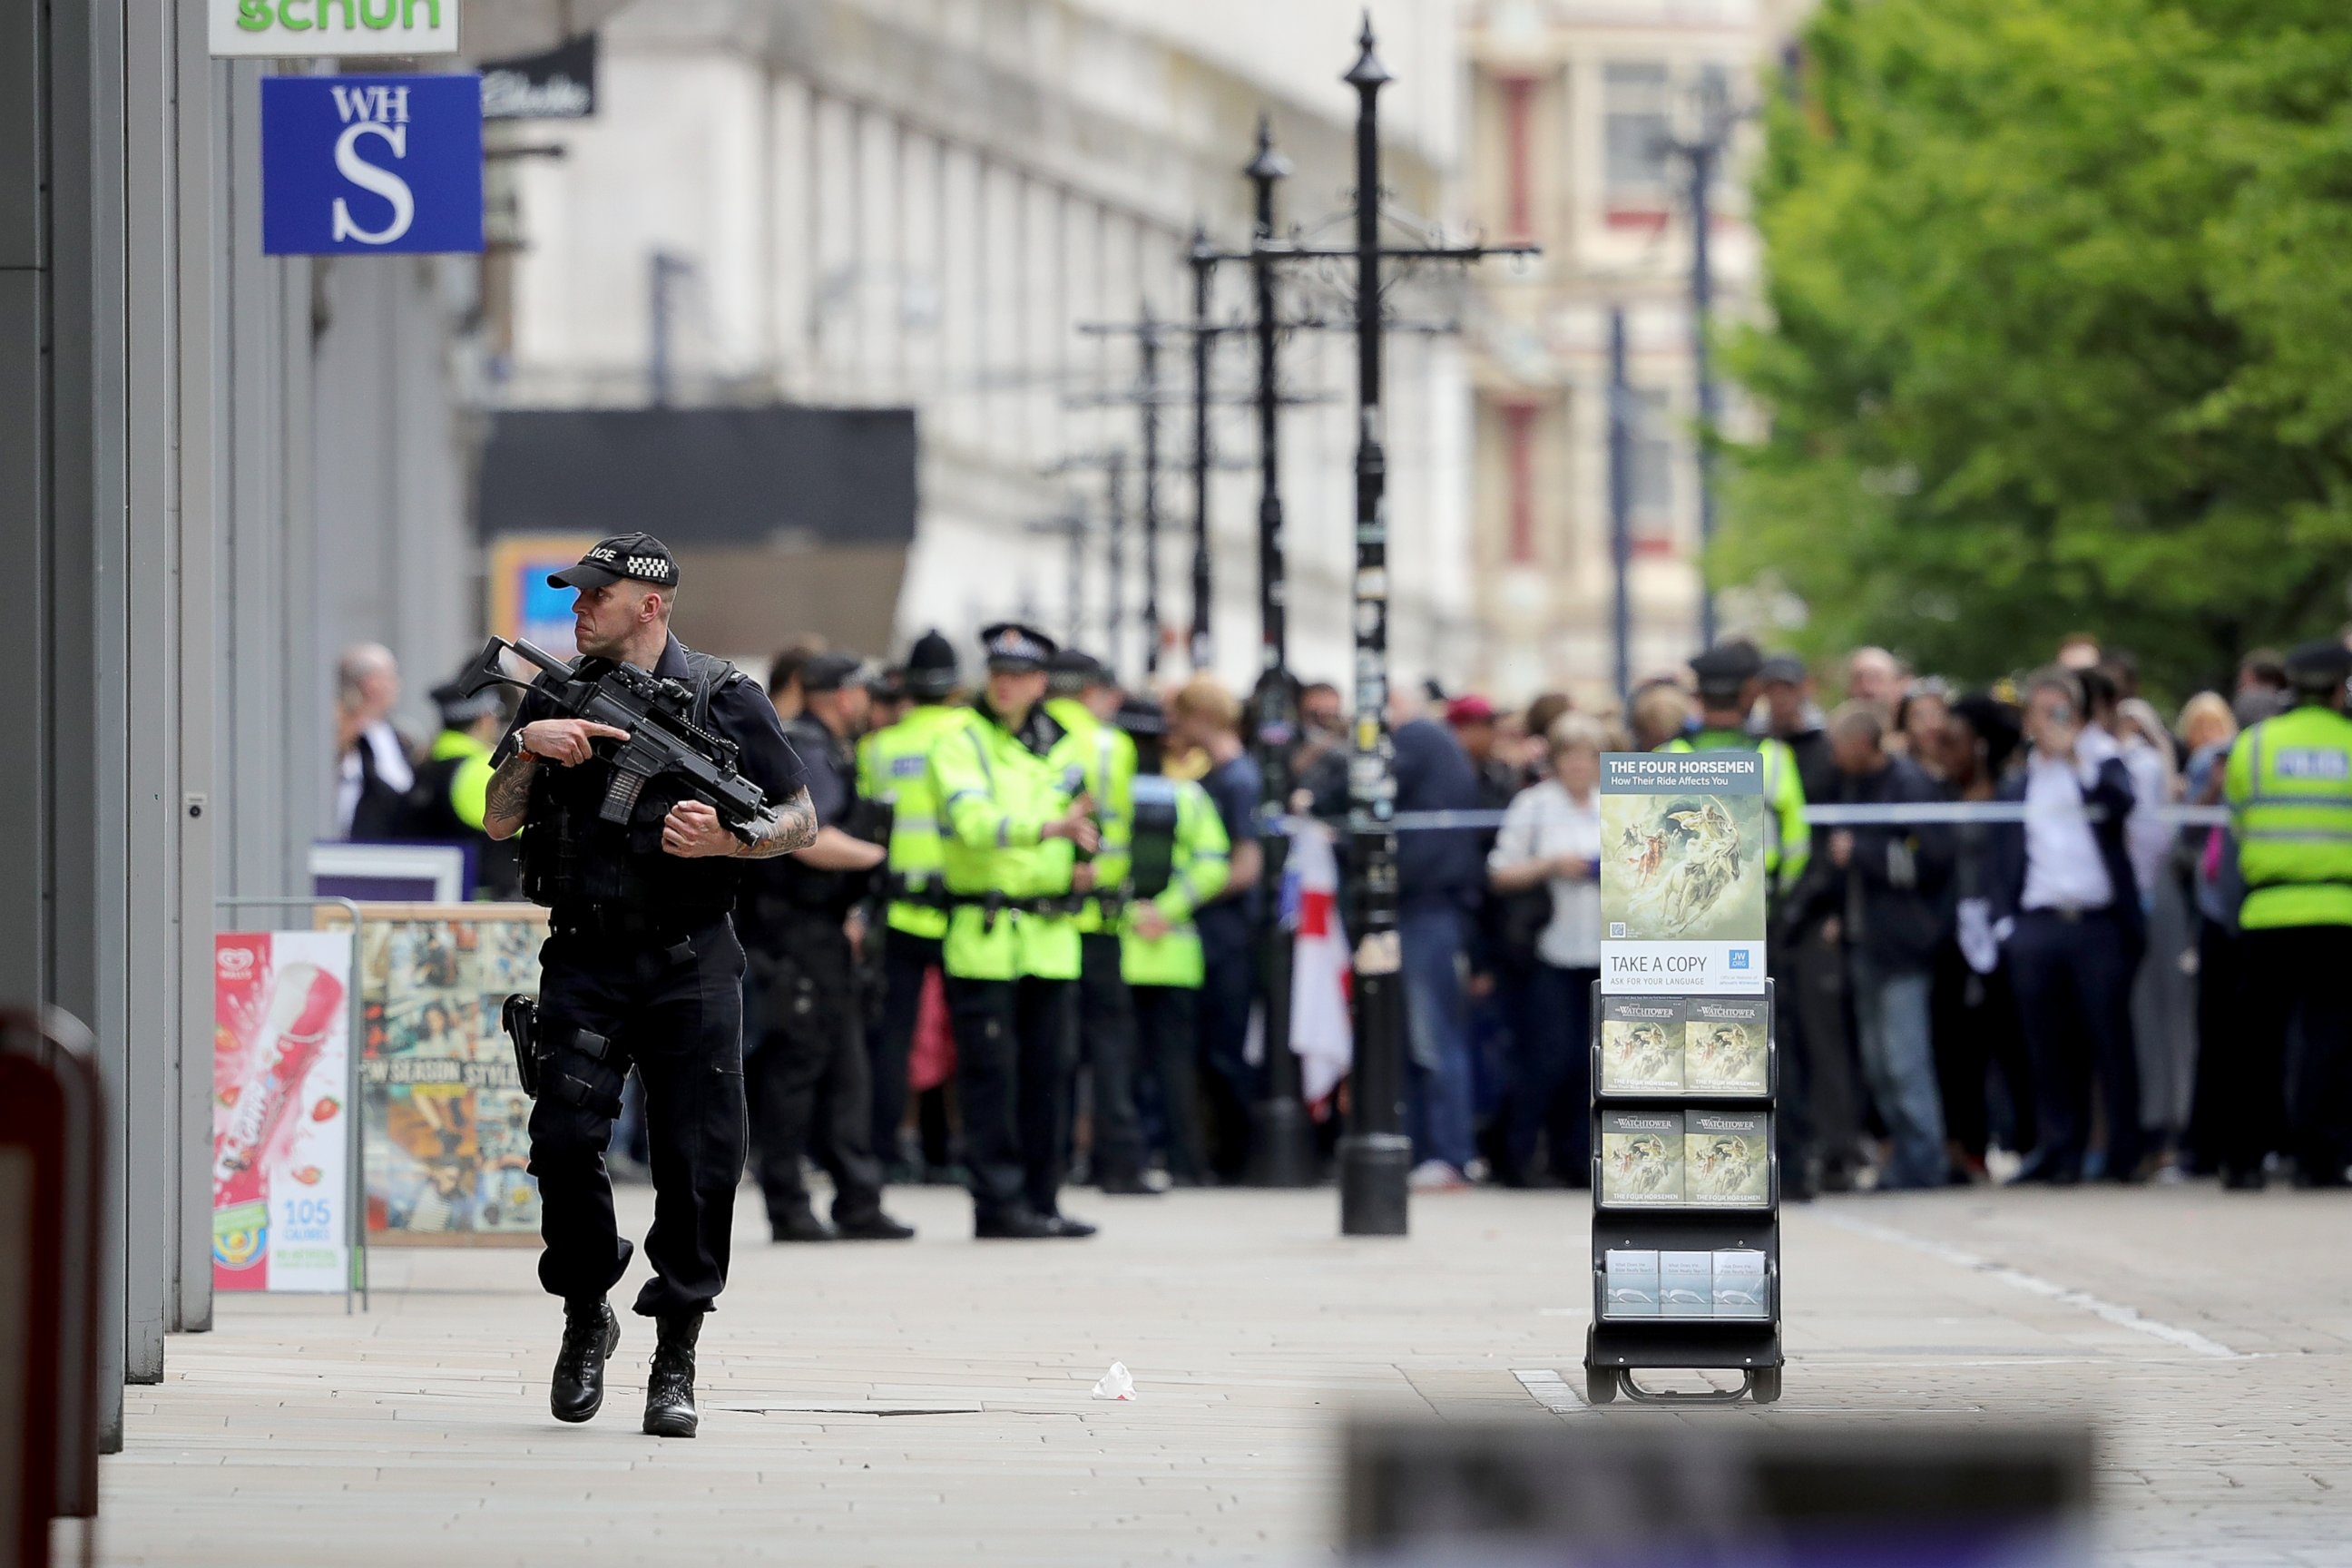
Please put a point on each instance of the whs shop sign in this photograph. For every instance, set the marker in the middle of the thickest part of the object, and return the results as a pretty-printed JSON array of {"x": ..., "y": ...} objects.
[{"x": 359, "y": 164}]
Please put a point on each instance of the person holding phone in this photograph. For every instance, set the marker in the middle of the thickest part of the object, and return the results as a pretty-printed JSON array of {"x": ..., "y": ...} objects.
[
  {"x": 2066, "y": 908},
  {"x": 1551, "y": 838}
]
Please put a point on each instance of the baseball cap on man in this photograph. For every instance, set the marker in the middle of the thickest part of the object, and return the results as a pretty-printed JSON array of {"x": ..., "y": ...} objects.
[{"x": 638, "y": 556}]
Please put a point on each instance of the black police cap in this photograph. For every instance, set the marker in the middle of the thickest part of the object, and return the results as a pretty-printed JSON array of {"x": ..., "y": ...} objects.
[
  {"x": 1142, "y": 716},
  {"x": 1069, "y": 671},
  {"x": 638, "y": 556},
  {"x": 1014, "y": 648},
  {"x": 2318, "y": 665},
  {"x": 1727, "y": 666},
  {"x": 460, "y": 708},
  {"x": 832, "y": 671}
]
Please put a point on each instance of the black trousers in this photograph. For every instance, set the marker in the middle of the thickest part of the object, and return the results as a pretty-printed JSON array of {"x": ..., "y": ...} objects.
[
  {"x": 1167, "y": 1073},
  {"x": 1976, "y": 1031},
  {"x": 2074, "y": 980},
  {"x": 677, "y": 1014},
  {"x": 1013, "y": 1050},
  {"x": 905, "y": 959},
  {"x": 2219, "y": 960},
  {"x": 2268, "y": 1096},
  {"x": 1106, "y": 1049},
  {"x": 1229, "y": 1084},
  {"x": 1552, "y": 1084},
  {"x": 810, "y": 1097},
  {"x": 1822, "y": 1073}
]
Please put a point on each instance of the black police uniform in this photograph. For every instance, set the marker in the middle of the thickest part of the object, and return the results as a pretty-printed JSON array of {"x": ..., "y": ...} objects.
[
  {"x": 811, "y": 1092},
  {"x": 642, "y": 965}
]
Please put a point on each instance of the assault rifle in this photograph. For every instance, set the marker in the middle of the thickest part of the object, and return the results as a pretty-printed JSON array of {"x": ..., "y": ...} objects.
[{"x": 658, "y": 715}]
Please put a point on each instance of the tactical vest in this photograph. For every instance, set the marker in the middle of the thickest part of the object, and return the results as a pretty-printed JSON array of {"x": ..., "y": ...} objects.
[
  {"x": 2290, "y": 784},
  {"x": 1153, "y": 855},
  {"x": 778, "y": 889},
  {"x": 572, "y": 858}
]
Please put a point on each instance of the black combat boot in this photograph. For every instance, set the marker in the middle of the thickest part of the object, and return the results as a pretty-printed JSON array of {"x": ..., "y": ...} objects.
[
  {"x": 591, "y": 1333},
  {"x": 669, "y": 1386}
]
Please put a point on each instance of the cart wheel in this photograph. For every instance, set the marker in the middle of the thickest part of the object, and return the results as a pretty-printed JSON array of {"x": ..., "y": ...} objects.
[
  {"x": 1600, "y": 1385},
  {"x": 1764, "y": 1383}
]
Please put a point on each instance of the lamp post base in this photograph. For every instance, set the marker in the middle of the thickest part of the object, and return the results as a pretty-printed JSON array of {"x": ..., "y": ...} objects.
[
  {"x": 1282, "y": 1145},
  {"x": 1372, "y": 1171}
]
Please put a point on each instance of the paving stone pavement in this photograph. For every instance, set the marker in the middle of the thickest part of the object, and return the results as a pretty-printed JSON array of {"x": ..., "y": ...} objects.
[{"x": 929, "y": 1402}]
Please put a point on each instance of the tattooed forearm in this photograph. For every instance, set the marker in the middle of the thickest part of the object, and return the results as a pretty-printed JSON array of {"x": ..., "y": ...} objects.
[
  {"x": 509, "y": 796},
  {"x": 794, "y": 827}
]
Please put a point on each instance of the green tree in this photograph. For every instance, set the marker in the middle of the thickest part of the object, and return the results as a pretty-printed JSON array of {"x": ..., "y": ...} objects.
[{"x": 2058, "y": 298}]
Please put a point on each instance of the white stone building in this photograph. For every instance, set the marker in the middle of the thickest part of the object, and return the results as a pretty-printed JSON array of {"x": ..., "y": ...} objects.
[
  {"x": 1568, "y": 102},
  {"x": 920, "y": 201}
]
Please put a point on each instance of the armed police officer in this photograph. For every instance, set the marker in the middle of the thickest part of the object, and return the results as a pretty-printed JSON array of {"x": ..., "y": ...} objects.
[
  {"x": 894, "y": 768},
  {"x": 641, "y": 968},
  {"x": 1013, "y": 825},
  {"x": 2290, "y": 793},
  {"x": 807, "y": 1068}
]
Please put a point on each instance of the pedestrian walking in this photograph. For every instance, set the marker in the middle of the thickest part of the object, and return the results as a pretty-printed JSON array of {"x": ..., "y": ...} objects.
[{"x": 640, "y": 968}]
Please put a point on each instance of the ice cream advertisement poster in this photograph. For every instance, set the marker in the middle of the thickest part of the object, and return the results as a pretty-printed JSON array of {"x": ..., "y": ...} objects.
[
  {"x": 281, "y": 1112},
  {"x": 1682, "y": 872}
]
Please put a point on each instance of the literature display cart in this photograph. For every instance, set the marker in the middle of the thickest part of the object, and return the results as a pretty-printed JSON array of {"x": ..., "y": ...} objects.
[{"x": 1686, "y": 1184}]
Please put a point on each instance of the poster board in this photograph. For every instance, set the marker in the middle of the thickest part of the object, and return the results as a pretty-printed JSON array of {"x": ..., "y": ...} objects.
[
  {"x": 281, "y": 1110},
  {"x": 1682, "y": 873},
  {"x": 446, "y": 1122}
]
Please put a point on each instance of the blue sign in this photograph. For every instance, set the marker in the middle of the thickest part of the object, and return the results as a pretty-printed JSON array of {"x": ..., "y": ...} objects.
[{"x": 354, "y": 165}]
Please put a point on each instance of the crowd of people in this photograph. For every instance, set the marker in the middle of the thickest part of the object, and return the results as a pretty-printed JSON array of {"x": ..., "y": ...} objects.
[{"x": 2072, "y": 991}]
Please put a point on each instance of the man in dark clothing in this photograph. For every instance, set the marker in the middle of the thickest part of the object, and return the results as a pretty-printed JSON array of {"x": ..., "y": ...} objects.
[
  {"x": 640, "y": 968},
  {"x": 810, "y": 1090},
  {"x": 1441, "y": 875},
  {"x": 2066, "y": 903},
  {"x": 1889, "y": 884},
  {"x": 1791, "y": 716}
]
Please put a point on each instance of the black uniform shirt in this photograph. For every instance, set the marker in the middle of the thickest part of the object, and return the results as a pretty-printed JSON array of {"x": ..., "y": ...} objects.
[
  {"x": 739, "y": 711},
  {"x": 829, "y": 766}
]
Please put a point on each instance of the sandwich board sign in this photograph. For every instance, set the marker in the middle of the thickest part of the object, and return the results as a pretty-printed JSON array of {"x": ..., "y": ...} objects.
[
  {"x": 308, "y": 29},
  {"x": 1682, "y": 873},
  {"x": 358, "y": 165}
]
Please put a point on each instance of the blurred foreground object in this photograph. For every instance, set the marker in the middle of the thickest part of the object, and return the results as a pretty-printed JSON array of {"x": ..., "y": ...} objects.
[
  {"x": 1685, "y": 1494},
  {"x": 50, "y": 1138}
]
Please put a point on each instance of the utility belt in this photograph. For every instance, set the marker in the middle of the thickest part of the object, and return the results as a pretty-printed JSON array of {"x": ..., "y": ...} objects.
[
  {"x": 619, "y": 922},
  {"x": 993, "y": 905}
]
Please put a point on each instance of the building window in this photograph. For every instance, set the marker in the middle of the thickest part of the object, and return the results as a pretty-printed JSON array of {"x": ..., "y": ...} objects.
[
  {"x": 1636, "y": 121},
  {"x": 1520, "y": 471},
  {"x": 1650, "y": 488},
  {"x": 1519, "y": 154}
]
